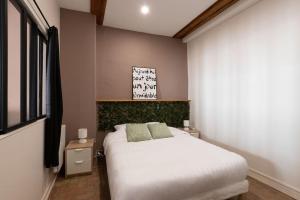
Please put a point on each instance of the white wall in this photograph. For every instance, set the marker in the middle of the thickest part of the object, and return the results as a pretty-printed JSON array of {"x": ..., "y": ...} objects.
[
  {"x": 244, "y": 83},
  {"x": 22, "y": 172}
]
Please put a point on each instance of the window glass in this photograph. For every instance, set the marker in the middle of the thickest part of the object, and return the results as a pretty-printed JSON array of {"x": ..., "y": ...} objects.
[{"x": 13, "y": 67}]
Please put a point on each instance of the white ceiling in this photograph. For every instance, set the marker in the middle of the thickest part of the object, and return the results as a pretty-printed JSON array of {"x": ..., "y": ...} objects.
[
  {"x": 79, "y": 5},
  {"x": 166, "y": 17}
]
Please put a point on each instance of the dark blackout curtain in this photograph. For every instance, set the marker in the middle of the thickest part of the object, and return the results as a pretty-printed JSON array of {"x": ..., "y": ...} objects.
[{"x": 54, "y": 100}]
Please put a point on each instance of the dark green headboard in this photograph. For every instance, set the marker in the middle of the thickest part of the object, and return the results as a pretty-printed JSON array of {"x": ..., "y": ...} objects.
[{"x": 111, "y": 113}]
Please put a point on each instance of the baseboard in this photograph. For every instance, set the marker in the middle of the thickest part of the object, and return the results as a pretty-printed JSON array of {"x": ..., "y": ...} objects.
[
  {"x": 276, "y": 184},
  {"x": 49, "y": 189}
]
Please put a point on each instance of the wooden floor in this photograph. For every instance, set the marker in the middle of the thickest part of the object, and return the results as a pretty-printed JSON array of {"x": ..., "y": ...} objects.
[{"x": 95, "y": 187}]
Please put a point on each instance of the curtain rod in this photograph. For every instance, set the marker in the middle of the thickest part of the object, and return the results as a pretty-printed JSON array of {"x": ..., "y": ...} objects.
[{"x": 41, "y": 13}]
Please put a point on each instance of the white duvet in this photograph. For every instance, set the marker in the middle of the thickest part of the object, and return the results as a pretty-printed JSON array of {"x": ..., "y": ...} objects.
[{"x": 177, "y": 168}]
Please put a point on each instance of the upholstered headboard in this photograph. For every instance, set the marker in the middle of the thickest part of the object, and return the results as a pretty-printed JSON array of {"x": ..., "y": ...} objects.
[{"x": 111, "y": 113}]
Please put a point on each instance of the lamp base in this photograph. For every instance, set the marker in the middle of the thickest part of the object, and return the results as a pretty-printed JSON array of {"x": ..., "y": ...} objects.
[{"x": 82, "y": 141}]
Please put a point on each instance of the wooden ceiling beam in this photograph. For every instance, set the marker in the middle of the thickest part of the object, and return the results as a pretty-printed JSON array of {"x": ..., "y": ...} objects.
[
  {"x": 98, "y": 8},
  {"x": 214, "y": 10}
]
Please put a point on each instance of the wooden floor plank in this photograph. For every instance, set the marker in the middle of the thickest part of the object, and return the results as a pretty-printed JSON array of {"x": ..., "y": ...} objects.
[{"x": 95, "y": 187}]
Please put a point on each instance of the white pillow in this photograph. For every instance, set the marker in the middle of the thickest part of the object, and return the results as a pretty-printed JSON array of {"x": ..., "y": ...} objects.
[
  {"x": 123, "y": 126},
  {"x": 120, "y": 127}
]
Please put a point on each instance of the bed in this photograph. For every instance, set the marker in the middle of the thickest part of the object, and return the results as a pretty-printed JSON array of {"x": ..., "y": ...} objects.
[{"x": 177, "y": 168}]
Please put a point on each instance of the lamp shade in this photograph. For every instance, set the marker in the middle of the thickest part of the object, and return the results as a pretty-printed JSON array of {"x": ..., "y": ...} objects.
[
  {"x": 186, "y": 123},
  {"x": 82, "y": 133}
]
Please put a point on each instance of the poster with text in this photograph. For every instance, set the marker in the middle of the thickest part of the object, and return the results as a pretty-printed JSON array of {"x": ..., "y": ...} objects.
[{"x": 143, "y": 83}]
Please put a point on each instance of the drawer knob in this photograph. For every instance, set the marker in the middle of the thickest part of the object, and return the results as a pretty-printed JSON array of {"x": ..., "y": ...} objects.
[{"x": 79, "y": 162}]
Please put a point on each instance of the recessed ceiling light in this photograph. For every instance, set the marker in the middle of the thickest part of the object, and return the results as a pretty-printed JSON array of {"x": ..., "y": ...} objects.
[{"x": 145, "y": 9}]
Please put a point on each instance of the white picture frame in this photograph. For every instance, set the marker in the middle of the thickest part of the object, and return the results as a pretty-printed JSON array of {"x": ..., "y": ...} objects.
[{"x": 144, "y": 85}]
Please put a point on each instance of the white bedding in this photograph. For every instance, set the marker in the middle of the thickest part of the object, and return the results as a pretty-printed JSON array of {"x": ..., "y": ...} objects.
[{"x": 177, "y": 168}]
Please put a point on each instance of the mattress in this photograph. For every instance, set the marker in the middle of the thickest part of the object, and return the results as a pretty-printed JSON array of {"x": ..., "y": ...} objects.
[{"x": 177, "y": 168}]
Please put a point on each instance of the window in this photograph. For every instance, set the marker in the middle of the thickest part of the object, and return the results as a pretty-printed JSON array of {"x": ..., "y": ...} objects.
[
  {"x": 22, "y": 68},
  {"x": 13, "y": 63}
]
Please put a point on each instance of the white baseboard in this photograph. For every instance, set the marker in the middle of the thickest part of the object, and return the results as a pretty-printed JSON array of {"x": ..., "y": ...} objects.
[
  {"x": 274, "y": 183},
  {"x": 49, "y": 189}
]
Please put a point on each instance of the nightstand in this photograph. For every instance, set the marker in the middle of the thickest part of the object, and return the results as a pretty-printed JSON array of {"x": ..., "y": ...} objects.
[
  {"x": 79, "y": 157},
  {"x": 192, "y": 131}
]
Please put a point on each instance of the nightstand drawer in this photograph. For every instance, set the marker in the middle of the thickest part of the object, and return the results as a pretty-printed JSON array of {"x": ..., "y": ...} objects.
[
  {"x": 195, "y": 134},
  {"x": 192, "y": 132},
  {"x": 79, "y": 161}
]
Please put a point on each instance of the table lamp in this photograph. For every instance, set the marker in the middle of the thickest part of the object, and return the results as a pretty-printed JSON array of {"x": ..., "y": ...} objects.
[
  {"x": 82, "y": 135},
  {"x": 186, "y": 124}
]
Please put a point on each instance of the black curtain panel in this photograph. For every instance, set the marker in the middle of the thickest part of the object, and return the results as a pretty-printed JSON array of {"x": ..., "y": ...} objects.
[{"x": 54, "y": 101}]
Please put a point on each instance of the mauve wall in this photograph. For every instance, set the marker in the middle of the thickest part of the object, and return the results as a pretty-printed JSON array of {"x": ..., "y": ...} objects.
[
  {"x": 78, "y": 47},
  {"x": 118, "y": 50},
  {"x": 97, "y": 62}
]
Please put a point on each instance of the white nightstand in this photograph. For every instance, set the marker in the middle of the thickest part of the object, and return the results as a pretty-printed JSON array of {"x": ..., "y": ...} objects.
[
  {"x": 192, "y": 131},
  {"x": 79, "y": 157}
]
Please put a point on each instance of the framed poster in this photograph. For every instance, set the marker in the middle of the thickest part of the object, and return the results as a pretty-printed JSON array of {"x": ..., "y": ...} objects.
[{"x": 143, "y": 83}]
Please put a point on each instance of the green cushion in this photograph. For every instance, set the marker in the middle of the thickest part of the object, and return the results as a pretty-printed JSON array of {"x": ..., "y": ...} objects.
[
  {"x": 160, "y": 130},
  {"x": 137, "y": 132}
]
